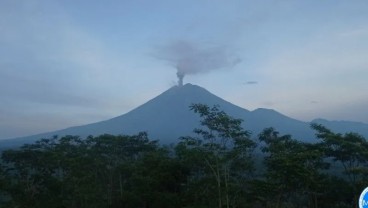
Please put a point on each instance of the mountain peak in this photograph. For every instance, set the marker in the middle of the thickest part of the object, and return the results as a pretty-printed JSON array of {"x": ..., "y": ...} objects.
[
  {"x": 183, "y": 97},
  {"x": 186, "y": 85},
  {"x": 188, "y": 88},
  {"x": 265, "y": 110}
]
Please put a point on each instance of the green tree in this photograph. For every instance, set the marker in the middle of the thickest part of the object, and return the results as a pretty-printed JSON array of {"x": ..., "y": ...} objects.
[
  {"x": 71, "y": 172},
  {"x": 350, "y": 150},
  {"x": 293, "y": 170},
  {"x": 30, "y": 171},
  {"x": 221, "y": 155}
]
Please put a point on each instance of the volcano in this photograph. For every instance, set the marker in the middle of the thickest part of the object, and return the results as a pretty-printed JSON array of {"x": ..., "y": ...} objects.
[{"x": 168, "y": 117}]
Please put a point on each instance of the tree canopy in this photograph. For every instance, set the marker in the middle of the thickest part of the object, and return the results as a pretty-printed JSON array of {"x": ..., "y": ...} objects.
[{"x": 215, "y": 168}]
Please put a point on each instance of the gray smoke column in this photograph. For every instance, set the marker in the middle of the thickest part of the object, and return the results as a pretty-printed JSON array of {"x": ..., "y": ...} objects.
[
  {"x": 190, "y": 59},
  {"x": 180, "y": 77}
]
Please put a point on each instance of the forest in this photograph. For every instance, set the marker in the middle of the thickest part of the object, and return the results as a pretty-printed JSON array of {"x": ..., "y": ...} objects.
[{"x": 222, "y": 166}]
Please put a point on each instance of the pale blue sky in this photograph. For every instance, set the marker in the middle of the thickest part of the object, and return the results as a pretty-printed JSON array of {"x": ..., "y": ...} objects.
[{"x": 73, "y": 62}]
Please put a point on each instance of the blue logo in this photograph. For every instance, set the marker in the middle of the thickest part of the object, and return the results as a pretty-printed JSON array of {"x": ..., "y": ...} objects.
[{"x": 363, "y": 199}]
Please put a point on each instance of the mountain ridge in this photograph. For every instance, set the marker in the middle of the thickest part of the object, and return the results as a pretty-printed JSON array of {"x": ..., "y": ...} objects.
[{"x": 167, "y": 117}]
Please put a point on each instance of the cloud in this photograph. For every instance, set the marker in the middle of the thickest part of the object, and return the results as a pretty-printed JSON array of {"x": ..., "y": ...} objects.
[
  {"x": 190, "y": 58},
  {"x": 250, "y": 82}
]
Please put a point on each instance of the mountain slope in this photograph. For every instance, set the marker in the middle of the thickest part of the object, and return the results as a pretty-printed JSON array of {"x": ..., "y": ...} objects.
[
  {"x": 344, "y": 126},
  {"x": 167, "y": 117}
]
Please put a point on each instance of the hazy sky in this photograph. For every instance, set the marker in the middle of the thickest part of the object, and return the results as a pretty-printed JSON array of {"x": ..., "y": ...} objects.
[{"x": 72, "y": 62}]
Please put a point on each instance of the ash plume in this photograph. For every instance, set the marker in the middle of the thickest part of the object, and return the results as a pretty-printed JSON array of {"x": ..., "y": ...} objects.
[{"x": 189, "y": 58}]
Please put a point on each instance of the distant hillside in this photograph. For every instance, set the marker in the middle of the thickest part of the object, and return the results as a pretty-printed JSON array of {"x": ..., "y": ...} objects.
[
  {"x": 167, "y": 117},
  {"x": 344, "y": 126}
]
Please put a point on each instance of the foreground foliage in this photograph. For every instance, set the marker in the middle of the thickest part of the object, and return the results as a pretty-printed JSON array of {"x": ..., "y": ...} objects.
[{"x": 214, "y": 169}]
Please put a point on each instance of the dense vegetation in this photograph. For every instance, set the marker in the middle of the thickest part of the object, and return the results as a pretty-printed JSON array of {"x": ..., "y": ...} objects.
[{"x": 221, "y": 167}]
